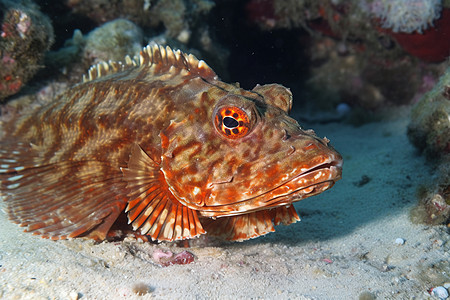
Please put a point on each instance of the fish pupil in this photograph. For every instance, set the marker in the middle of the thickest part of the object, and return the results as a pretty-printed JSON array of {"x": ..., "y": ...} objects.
[{"x": 230, "y": 122}]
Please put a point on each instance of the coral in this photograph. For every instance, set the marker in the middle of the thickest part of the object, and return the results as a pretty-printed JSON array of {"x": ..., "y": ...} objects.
[
  {"x": 25, "y": 35},
  {"x": 430, "y": 120},
  {"x": 68, "y": 55},
  {"x": 182, "y": 24},
  {"x": 429, "y": 131},
  {"x": 376, "y": 25},
  {"x": 171, "y": 14},
  {"x": 342, "y": 72},
  {"x": 329, "y": 17},
  {"x": 405, "y": 15},
  {"x": 354, "y": 60},
  {"x": 418, "y": 45},
  {"x": 270, "y": 14},
  {"x": 433, "y": 207},
  {"x": 113, "y": 41},
  {"x": 177, "y": 16}
]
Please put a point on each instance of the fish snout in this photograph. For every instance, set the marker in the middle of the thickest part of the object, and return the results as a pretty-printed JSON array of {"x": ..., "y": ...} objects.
[{"x": 313, "y": 154}]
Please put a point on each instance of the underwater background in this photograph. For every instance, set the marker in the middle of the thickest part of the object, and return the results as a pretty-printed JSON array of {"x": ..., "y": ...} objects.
[{"x": 372, "y": 76}]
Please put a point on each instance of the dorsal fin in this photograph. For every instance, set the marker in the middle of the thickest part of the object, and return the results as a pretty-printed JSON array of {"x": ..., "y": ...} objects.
[{"x": 160, "y": 59}]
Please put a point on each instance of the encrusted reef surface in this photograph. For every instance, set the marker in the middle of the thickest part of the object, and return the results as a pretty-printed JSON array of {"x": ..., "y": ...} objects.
[
  {"x": 429, "y": 131},
  {"x": 25, "y": 35},
  {"x": 177, "y": 16},
  {"x": 430, "y": 122},
  {"x": 178, "y": 23}
]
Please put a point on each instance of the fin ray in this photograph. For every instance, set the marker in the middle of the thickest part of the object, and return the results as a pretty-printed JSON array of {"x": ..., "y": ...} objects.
[
  {"x": 285, "y": 215},
  {"x": 159, "y": 58},
  {"x": 61, "y": 199},
  {"x": 251, "y": 225},
  {"x": 152, "y": 208}
]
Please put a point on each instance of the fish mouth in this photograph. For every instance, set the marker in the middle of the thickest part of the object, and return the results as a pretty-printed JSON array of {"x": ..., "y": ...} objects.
[
  {"x": 306, "y": 183},
  {"x": 310, "y": 182}
]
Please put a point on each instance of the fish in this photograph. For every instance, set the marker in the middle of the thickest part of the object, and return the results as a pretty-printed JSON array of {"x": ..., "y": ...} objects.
[{"x": 161, "y": 139}]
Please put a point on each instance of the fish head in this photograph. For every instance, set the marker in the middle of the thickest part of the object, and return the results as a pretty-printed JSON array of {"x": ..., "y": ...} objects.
[{"x": 243, "y": 153}]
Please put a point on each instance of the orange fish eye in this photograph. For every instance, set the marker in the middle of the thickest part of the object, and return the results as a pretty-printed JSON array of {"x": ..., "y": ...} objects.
[{"x": 232, "y": 122}]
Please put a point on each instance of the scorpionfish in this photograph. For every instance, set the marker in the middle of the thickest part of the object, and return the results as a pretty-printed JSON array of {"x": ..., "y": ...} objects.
[{"x": 161, "y": 139}]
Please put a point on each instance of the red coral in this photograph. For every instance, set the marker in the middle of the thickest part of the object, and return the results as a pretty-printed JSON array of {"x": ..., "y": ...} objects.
[
  {"x": 15, "y": 85},
  {"x": 431, "y": 46}
]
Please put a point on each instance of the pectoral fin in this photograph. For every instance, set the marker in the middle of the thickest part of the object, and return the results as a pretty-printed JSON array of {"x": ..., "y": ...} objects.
[
  {"x": 284, "y": 215},
  {"x": 152, "y": 207},
  {"x": 252, "y": 225}
]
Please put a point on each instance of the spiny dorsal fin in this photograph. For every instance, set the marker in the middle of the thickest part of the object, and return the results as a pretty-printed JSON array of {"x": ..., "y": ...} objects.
[
  {"x": 152, "y": 208},
  {"x": 160, "y": 59},
  {"x": 111, "y": 67}
]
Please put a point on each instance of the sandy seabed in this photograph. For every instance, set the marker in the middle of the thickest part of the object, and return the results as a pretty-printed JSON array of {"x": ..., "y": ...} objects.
[{"x": 344, "y": 247}]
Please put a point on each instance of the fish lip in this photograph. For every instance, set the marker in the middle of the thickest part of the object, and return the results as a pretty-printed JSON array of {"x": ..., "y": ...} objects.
[
  {"x": 334, "y": 166},
  {"x": 334, "y": 163}
]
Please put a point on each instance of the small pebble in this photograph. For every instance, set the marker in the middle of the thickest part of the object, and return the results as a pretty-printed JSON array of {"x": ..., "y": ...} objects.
[
  {"x": 440, "y": 292},
  {"x": 366, "y": 296},
  {"x": 399, "y": 241},
  {"x": 74, "y": 295},
  {"x": 169, "y": 258},
  {"x": 343, "y": 109},
  {"x": 327, "y": 260},
  {"x": 141, "y": 289},
  {"x": 184, "y": 36},
  {"x": 438, "y": 242}
]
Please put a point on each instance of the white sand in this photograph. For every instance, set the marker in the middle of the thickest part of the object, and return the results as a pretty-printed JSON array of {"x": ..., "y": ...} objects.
[{"x": 344, "y": 246}]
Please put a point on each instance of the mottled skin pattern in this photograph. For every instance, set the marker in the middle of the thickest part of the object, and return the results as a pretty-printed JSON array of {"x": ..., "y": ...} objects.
[{"x": 163, "y": 139}]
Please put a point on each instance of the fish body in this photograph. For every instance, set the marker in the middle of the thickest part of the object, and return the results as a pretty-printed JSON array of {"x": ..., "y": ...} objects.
[{"x": 163, "y": 140}]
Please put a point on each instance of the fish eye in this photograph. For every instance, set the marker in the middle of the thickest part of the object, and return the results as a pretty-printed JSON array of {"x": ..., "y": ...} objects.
[{"x": 231, "y": 121}]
